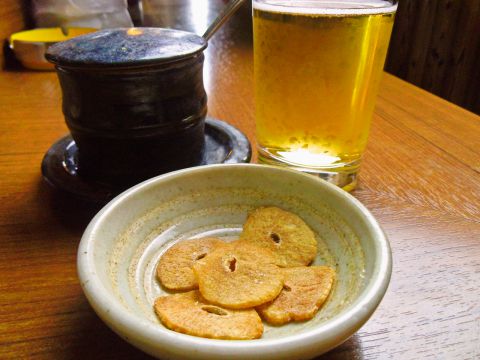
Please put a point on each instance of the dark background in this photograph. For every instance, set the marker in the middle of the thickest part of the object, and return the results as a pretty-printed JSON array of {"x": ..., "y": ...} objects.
[{"x": 436, "y": 45}]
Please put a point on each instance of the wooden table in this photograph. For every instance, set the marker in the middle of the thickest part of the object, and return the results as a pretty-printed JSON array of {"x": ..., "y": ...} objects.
[{"x": 420, "y": 178}]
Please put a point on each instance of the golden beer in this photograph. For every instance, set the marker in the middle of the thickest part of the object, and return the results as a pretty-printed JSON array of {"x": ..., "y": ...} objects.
[{"x": 318, "y": 65}]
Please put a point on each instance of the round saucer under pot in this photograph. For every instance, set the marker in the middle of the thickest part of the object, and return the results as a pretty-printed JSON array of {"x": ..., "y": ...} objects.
[{"x": 134, "y": 101}]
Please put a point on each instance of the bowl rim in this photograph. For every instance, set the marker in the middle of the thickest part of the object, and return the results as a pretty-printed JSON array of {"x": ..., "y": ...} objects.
[{"x": 331, "y": 332}]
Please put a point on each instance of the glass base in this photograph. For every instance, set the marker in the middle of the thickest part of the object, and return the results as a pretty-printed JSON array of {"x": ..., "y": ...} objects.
[{"x": 344, "y": 177}]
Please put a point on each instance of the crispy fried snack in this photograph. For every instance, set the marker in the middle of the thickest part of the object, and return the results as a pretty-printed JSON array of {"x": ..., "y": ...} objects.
[
  {"x": 190, "y": 314},
  {"x": 239, "y": 276},
  {"x": 174, "y": 269},
  {"x": 304, "y": 292},
  {"x": 284, "y": 233}
]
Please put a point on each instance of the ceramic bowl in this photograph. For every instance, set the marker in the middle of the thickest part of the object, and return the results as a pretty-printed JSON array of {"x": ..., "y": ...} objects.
[
  {"x": 120, "y": 248},
  {"x": 30, "y": 46}
]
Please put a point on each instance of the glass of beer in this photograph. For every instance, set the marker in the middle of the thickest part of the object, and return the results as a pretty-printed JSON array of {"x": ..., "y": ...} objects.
[{"x": 318, "y": 65}]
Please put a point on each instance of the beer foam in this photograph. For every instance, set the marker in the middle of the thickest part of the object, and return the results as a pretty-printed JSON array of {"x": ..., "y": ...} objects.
[{"x": 334, "y": 8}]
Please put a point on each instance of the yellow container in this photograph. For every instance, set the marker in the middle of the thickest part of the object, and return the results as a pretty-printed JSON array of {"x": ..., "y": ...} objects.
[{"x": 30, "y": 46}]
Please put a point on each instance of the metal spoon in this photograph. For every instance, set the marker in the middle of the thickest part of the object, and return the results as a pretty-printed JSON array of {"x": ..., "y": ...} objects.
[{"x": 224, "y": 15}]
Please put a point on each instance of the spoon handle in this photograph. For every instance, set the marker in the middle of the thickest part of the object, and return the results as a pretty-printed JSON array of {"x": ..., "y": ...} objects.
[{"x": 222, "y": 17}]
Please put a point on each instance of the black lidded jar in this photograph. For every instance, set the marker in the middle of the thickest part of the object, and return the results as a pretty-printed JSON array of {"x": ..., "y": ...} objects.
[{"x": 134, "y": 101}]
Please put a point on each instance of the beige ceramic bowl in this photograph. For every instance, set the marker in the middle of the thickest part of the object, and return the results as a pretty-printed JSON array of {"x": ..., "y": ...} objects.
[
  {"x": 30, "y": 46},
  {"x": 121, "y": 247}
]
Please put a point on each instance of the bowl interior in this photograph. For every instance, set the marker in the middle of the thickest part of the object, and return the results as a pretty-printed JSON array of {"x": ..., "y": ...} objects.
[{"x": 125, "y": 241}]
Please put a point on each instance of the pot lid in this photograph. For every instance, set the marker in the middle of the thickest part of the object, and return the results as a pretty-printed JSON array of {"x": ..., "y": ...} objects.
[{"x": 126, "y": 47}]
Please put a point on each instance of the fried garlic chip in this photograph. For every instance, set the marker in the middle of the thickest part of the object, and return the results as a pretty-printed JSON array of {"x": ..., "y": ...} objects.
[
  {"x": 304, "y": 292},
  {"x": 284, "y": 233},
  {"x": 239, "y": 276},
  {"x": 174, "y": 269},
  {"x": 190, "y": 314}
]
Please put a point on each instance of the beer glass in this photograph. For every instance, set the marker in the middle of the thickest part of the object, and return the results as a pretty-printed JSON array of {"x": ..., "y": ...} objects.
[{"x": 317, "y": 66}]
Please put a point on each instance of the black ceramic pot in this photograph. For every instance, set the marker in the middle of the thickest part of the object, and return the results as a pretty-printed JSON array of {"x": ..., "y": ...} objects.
[{"x": 134, "y": 101}]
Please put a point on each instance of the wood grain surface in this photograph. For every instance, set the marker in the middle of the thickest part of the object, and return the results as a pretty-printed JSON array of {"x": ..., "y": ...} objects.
[
  {"x": 12, "y": 19},
  {"x": 420, "y": 178}
]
